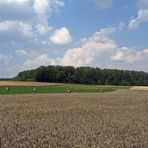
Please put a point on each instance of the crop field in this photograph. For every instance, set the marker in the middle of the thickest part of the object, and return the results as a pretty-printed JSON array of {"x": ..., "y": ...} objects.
[
  {"x": 24, "y": 83},
  {"x": 116, "y": 119},
  {"x": 12, "y": 87},
  {"x": 139, "y": 88}
]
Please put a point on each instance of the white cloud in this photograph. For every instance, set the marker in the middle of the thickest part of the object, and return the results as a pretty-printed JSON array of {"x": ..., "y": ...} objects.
[
  {"x": 129, "y": 55},
  {"x": 7, "y": 25},
  {"x": 37, "y": 61},
  {"x": 98, "y": 44},
  {"x": 92, "y": 47},
  {"x": 102, "y": 50},
  {"x": 61, "y": 36},
  {"x": 41, "y": 7},
  {"x": 42, "y": 29},
  {"x": 97, "y": 50},
  {"x": 14, "y": 27},
  {"x": 142, "y": 14},
  {"x": 26, "y": 17},
  {"x": 13, "y": 1},
  {"x": 142, "y": 17},
  {"x": 43, "y": 10},
  {"x": 26, "y": 29},
  {"x": 146, "y": 50},
  {"x": 118, "y": 56}
]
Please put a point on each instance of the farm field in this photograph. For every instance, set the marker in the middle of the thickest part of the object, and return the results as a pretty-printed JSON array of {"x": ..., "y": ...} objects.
[
  {"x": 28, "y": 87},
  {"x": 139, "y": 88},
  {"x": 116, "y": 119},
  {"x": 24, "y": 83}
]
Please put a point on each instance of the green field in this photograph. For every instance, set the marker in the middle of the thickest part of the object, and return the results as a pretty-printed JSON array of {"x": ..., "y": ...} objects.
[{"x": 61, "y": 88}]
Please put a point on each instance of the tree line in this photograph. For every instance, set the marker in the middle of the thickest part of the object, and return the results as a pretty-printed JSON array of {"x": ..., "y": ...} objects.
[{"x": 84, "y": 75}]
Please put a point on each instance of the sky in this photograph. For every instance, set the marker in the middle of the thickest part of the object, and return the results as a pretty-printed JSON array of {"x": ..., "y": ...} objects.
[{"x": 97, "y": 33}]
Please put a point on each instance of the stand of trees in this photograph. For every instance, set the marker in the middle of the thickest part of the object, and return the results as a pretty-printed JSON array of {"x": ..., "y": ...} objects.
[{"x": 84, "y": 75}]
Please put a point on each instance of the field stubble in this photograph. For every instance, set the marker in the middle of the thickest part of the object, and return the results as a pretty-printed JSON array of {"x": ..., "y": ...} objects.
[
  {"x": 24, "y": 83},
  {"x": 107, "y": 120}
]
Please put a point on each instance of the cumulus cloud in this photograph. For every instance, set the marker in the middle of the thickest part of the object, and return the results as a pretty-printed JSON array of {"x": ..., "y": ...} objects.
[
  {"x": 142, "y": 17},
  {"x": 101, "y": 49},
  {"x": 12, "y": 1},
  {"x": 86, "y": 54},
  {"x": 118, "y": 56},
  {"x": 37, "y": 61},
  {"x": 127, "y": 55},
  {"x": 28, "y": 18},
  {"x": 15, "y": 30},
  {"x": 129, "y": 58},
  {"x": 99, "y": 43},
  {"x": 92, "y": 47},
  {"x": 97, "y": 50},
  {"x": 142, "y": 14},
  {"x": 61, "y": 36},
  {"x": 40, "y": 29},
  {"x": 43, "y": 9}
]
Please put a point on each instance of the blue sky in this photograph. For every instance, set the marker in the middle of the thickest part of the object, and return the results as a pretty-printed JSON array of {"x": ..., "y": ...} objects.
[{"x": 99, "y": 33}]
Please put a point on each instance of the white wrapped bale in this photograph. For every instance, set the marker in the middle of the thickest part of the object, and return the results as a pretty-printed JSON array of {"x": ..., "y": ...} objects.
[
  {"x": 68, "y": 91},
  {"x": 34, "y": 89},
  {"x": 7, "y": 88}
]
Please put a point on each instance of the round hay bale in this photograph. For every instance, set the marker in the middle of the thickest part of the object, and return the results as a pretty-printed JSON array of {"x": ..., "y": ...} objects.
[
  {"x": 68, "y": 91},
  {"x": 7, "y": 88},
  {"x": 34, "y": 89}
]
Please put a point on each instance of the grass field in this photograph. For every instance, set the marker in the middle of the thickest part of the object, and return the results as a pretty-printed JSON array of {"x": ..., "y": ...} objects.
[
  {"x": 27, "y": 88},
  {"x": 77, "y": 120}
]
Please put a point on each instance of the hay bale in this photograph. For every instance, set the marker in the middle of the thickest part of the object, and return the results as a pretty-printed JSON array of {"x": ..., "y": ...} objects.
[
  {"x": 34, "y": 89},
  {"x": 68, "y": 91},
  {"x": 7, "y": 88},
  {"x": 99, "y": 90}
]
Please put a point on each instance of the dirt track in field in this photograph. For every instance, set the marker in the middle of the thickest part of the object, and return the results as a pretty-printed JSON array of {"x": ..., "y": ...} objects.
[
  {"x": 100, "y": 120},
  {"x": 21, "y": 83},
  {"x": 139, "y": 88}
]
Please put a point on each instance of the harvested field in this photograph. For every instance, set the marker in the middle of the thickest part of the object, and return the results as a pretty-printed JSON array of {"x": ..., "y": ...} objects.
[
  {"x": 21, "y": 83},
  {"x": 99, "y": 120},
  {"x": 139, "y": 88}
]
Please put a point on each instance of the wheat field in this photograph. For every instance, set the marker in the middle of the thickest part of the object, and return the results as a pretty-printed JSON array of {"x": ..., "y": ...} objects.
[{"x": 99, "y": 120}]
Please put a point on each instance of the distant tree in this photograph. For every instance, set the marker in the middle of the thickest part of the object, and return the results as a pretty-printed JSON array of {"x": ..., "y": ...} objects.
[{"x": 84, "y": 75}]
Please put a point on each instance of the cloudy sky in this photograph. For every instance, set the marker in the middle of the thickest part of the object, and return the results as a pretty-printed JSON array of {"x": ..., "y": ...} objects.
[{"x": 99, "y": 33}]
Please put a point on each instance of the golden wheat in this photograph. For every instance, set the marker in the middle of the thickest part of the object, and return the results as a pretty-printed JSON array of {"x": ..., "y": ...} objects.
[{"x": 108, "y": 120}]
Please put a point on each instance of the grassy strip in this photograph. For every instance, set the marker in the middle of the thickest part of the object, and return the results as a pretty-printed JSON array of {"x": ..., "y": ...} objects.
[{"x": 59, "y": 89}]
